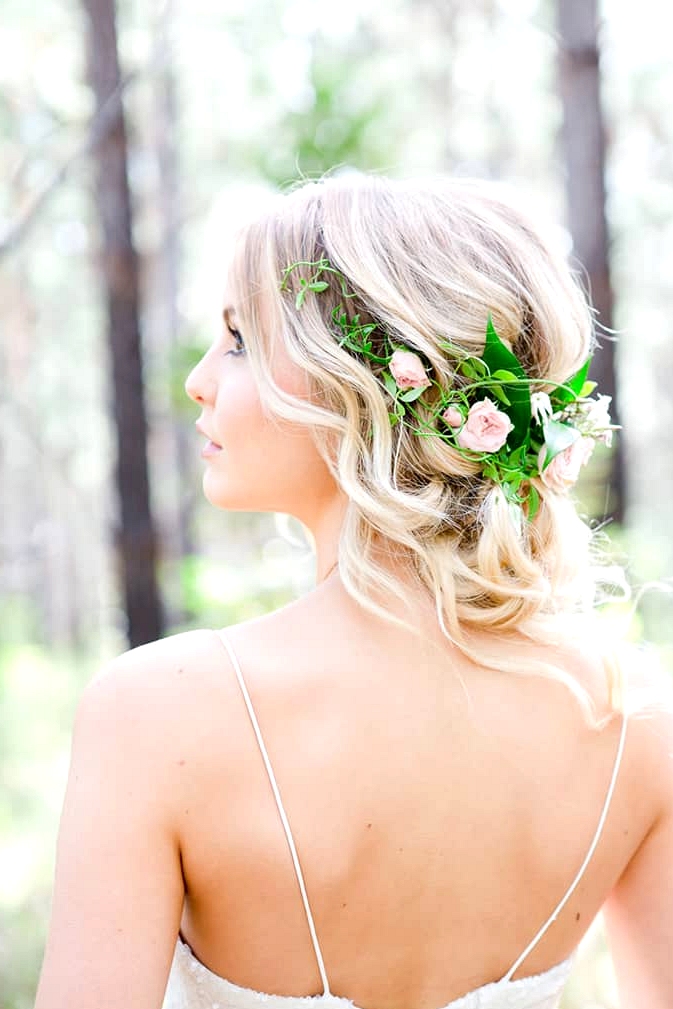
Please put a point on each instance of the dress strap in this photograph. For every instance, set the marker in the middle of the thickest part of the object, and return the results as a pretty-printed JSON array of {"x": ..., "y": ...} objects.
[
  {"x": 281, "y": 809},
  {"x": 573, "y": 886}
]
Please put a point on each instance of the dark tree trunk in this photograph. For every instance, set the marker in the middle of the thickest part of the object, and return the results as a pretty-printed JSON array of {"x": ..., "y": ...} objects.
[
  {"x": 584, "y": 148},
  {"x": 177, "y": 538},
  {"x": 136, "y": 538}
]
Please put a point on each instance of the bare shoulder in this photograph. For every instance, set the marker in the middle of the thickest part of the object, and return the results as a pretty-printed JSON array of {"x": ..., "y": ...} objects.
[
  {"x": 639, "y": 911},
  {"x": 150, "y": 677},
  {"x": 648, "y": 702},
  {"x": 138, "y": 700},
  {"x": 169, "y": 687}
]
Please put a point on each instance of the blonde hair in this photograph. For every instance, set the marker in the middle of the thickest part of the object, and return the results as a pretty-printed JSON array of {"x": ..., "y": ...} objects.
[{"x": 428, "y": 262}]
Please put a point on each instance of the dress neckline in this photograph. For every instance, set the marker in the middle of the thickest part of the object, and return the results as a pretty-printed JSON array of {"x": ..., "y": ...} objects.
[{"x": 555, "y": 976}]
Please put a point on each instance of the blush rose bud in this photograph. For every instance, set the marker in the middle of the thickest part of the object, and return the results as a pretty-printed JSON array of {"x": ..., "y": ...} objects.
[
  {"x": 453, "y": 417},
  {"x": 408, "y": 371}
]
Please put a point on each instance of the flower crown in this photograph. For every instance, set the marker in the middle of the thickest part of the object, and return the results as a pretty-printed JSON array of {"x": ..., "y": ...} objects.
[{"x": 492, "y": 416}]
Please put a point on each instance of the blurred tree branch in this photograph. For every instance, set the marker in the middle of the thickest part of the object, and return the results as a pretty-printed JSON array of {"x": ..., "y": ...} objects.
[{"x": 100, "y": 125}]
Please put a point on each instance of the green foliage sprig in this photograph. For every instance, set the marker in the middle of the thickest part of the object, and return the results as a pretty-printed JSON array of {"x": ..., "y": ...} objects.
[{"x": 490, "y": 414}]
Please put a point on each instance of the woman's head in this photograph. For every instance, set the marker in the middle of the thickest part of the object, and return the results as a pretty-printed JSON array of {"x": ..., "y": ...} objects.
[{"x": 427, "y": 264}]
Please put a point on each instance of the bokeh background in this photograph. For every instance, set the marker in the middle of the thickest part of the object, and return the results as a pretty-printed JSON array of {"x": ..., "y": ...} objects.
[{"x": 186, "y": 117}]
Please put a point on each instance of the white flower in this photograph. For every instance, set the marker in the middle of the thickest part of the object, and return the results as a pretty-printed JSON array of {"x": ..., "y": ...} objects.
[
  {"x": 596, "y": 419},
  {"x": 541, "y": 407},
  {"x": 599, "y": 411}
]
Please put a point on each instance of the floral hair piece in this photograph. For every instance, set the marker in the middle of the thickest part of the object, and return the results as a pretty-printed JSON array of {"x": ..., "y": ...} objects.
[{"x": 490, "y": 415}]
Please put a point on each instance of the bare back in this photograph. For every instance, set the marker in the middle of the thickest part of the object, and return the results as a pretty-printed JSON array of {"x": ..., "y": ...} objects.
[{"x": 436, "y": 807}]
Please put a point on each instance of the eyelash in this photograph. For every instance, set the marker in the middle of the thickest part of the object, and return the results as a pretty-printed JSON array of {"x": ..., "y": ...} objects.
[{"x": 239, "y": 348}]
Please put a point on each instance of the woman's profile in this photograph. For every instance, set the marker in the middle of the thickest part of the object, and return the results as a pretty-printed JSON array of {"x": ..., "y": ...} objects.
[{"x": 417, "y": 785}]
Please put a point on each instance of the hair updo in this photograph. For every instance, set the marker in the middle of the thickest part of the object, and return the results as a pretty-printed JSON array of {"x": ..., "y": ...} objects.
[{"x": 427, "y": 262}]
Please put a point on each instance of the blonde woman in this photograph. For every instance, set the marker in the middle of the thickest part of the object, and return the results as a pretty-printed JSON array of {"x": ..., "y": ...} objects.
[{"x": 416, "y": 786}]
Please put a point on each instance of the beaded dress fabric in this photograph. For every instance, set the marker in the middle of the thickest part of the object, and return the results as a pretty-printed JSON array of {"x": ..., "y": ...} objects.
[{"x": 191, "y": 985}]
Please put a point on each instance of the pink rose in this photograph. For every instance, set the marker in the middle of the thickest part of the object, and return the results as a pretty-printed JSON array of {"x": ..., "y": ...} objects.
[
  {"x": 564, "y": 469},
  {"x": 486, "y": 428},
  {"x": 452, "y": 416},
  {"x": 408, "y": 371}
]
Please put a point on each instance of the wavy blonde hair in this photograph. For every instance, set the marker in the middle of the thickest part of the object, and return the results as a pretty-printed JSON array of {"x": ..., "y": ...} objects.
[{"x": 428, "y": 262}]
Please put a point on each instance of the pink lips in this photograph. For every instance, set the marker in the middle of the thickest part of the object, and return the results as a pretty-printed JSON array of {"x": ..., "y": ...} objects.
[{"x": 212, "y": 448}]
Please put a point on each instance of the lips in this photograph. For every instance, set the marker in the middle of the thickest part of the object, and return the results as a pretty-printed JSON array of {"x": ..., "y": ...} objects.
[
  {"x": 211, "y": 443},
  {"x": 212, "y": 447}
]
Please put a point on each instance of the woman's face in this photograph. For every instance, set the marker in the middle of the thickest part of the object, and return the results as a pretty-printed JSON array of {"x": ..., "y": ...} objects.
[{"x": 254, "y": 462}]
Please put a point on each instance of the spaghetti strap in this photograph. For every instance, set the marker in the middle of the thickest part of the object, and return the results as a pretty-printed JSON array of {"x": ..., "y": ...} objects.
[
  {"x": 281, "y": 809},
  {"x": 573, "y": 886}
]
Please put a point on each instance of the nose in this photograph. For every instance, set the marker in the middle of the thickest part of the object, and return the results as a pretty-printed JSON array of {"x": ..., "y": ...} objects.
[{"x": 198, "y": 386}]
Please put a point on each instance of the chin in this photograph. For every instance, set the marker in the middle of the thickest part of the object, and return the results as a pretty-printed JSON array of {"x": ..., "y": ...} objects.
[{"x": 218, "y": 491}]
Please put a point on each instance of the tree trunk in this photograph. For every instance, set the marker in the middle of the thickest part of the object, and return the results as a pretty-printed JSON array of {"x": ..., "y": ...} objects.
[
  {"x": 178, "y": 444},
  {"x": 584, "y": 149},
  {"x": 136, "y": 540}
]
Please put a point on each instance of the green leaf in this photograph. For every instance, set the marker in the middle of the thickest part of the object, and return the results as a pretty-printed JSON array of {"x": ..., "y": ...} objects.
[
  {"x": 579, "y": 378},
  {"x": 557, "y": 438},
  {"x": 393, "y": 419},
  {"x": 503, "y": 375},
  {"x": 318, "y": 285},
  {"x": 587, "y": 389},
  {"x": 571, "y": 389},
  {"x": 500, "y": 394},
  {"x": 498, "y": 357},
  {"x": 533, "y": 501},
  {"x": 299, "y": 300},
  {"x": 412, "y": 394},
  {"x": 390, "y": 384}
]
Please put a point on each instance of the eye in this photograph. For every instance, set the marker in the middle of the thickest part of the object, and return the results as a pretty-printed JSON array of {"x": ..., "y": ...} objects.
[{"x": 238, "y": 340}]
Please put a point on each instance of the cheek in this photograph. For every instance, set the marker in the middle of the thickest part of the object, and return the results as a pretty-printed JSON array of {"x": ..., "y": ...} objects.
[
  {"x": 238, "y": 411},
  {"x": 265, "y": 464}
]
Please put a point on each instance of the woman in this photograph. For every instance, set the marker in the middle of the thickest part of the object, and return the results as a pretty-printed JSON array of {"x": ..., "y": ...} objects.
[{"x": 417, "y": 781}]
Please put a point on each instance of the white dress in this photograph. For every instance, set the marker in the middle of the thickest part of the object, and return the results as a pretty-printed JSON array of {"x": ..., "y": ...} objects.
[{"x": 191, "y": 985}]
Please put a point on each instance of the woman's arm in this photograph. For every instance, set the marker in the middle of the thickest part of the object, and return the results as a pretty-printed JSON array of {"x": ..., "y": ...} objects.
[
  {"x": 118, "y": 889},
  {"x": 639, "y": 912}
]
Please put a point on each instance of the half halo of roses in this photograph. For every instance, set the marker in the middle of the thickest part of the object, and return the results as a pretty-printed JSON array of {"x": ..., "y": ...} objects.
[{"x": 491, "y": 416}]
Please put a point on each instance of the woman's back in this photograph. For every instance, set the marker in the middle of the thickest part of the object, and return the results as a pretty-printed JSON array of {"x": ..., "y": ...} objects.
[
  {"x": 440, "y": 812},
  {"x": 402, "y": 369}
]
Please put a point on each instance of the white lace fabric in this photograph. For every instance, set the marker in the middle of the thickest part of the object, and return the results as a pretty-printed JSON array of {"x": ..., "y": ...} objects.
[{"x": 191, "y": 985}]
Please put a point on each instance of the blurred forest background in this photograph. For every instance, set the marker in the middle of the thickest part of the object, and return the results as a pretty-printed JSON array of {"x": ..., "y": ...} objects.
[{"x": 185, "y": 118}]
